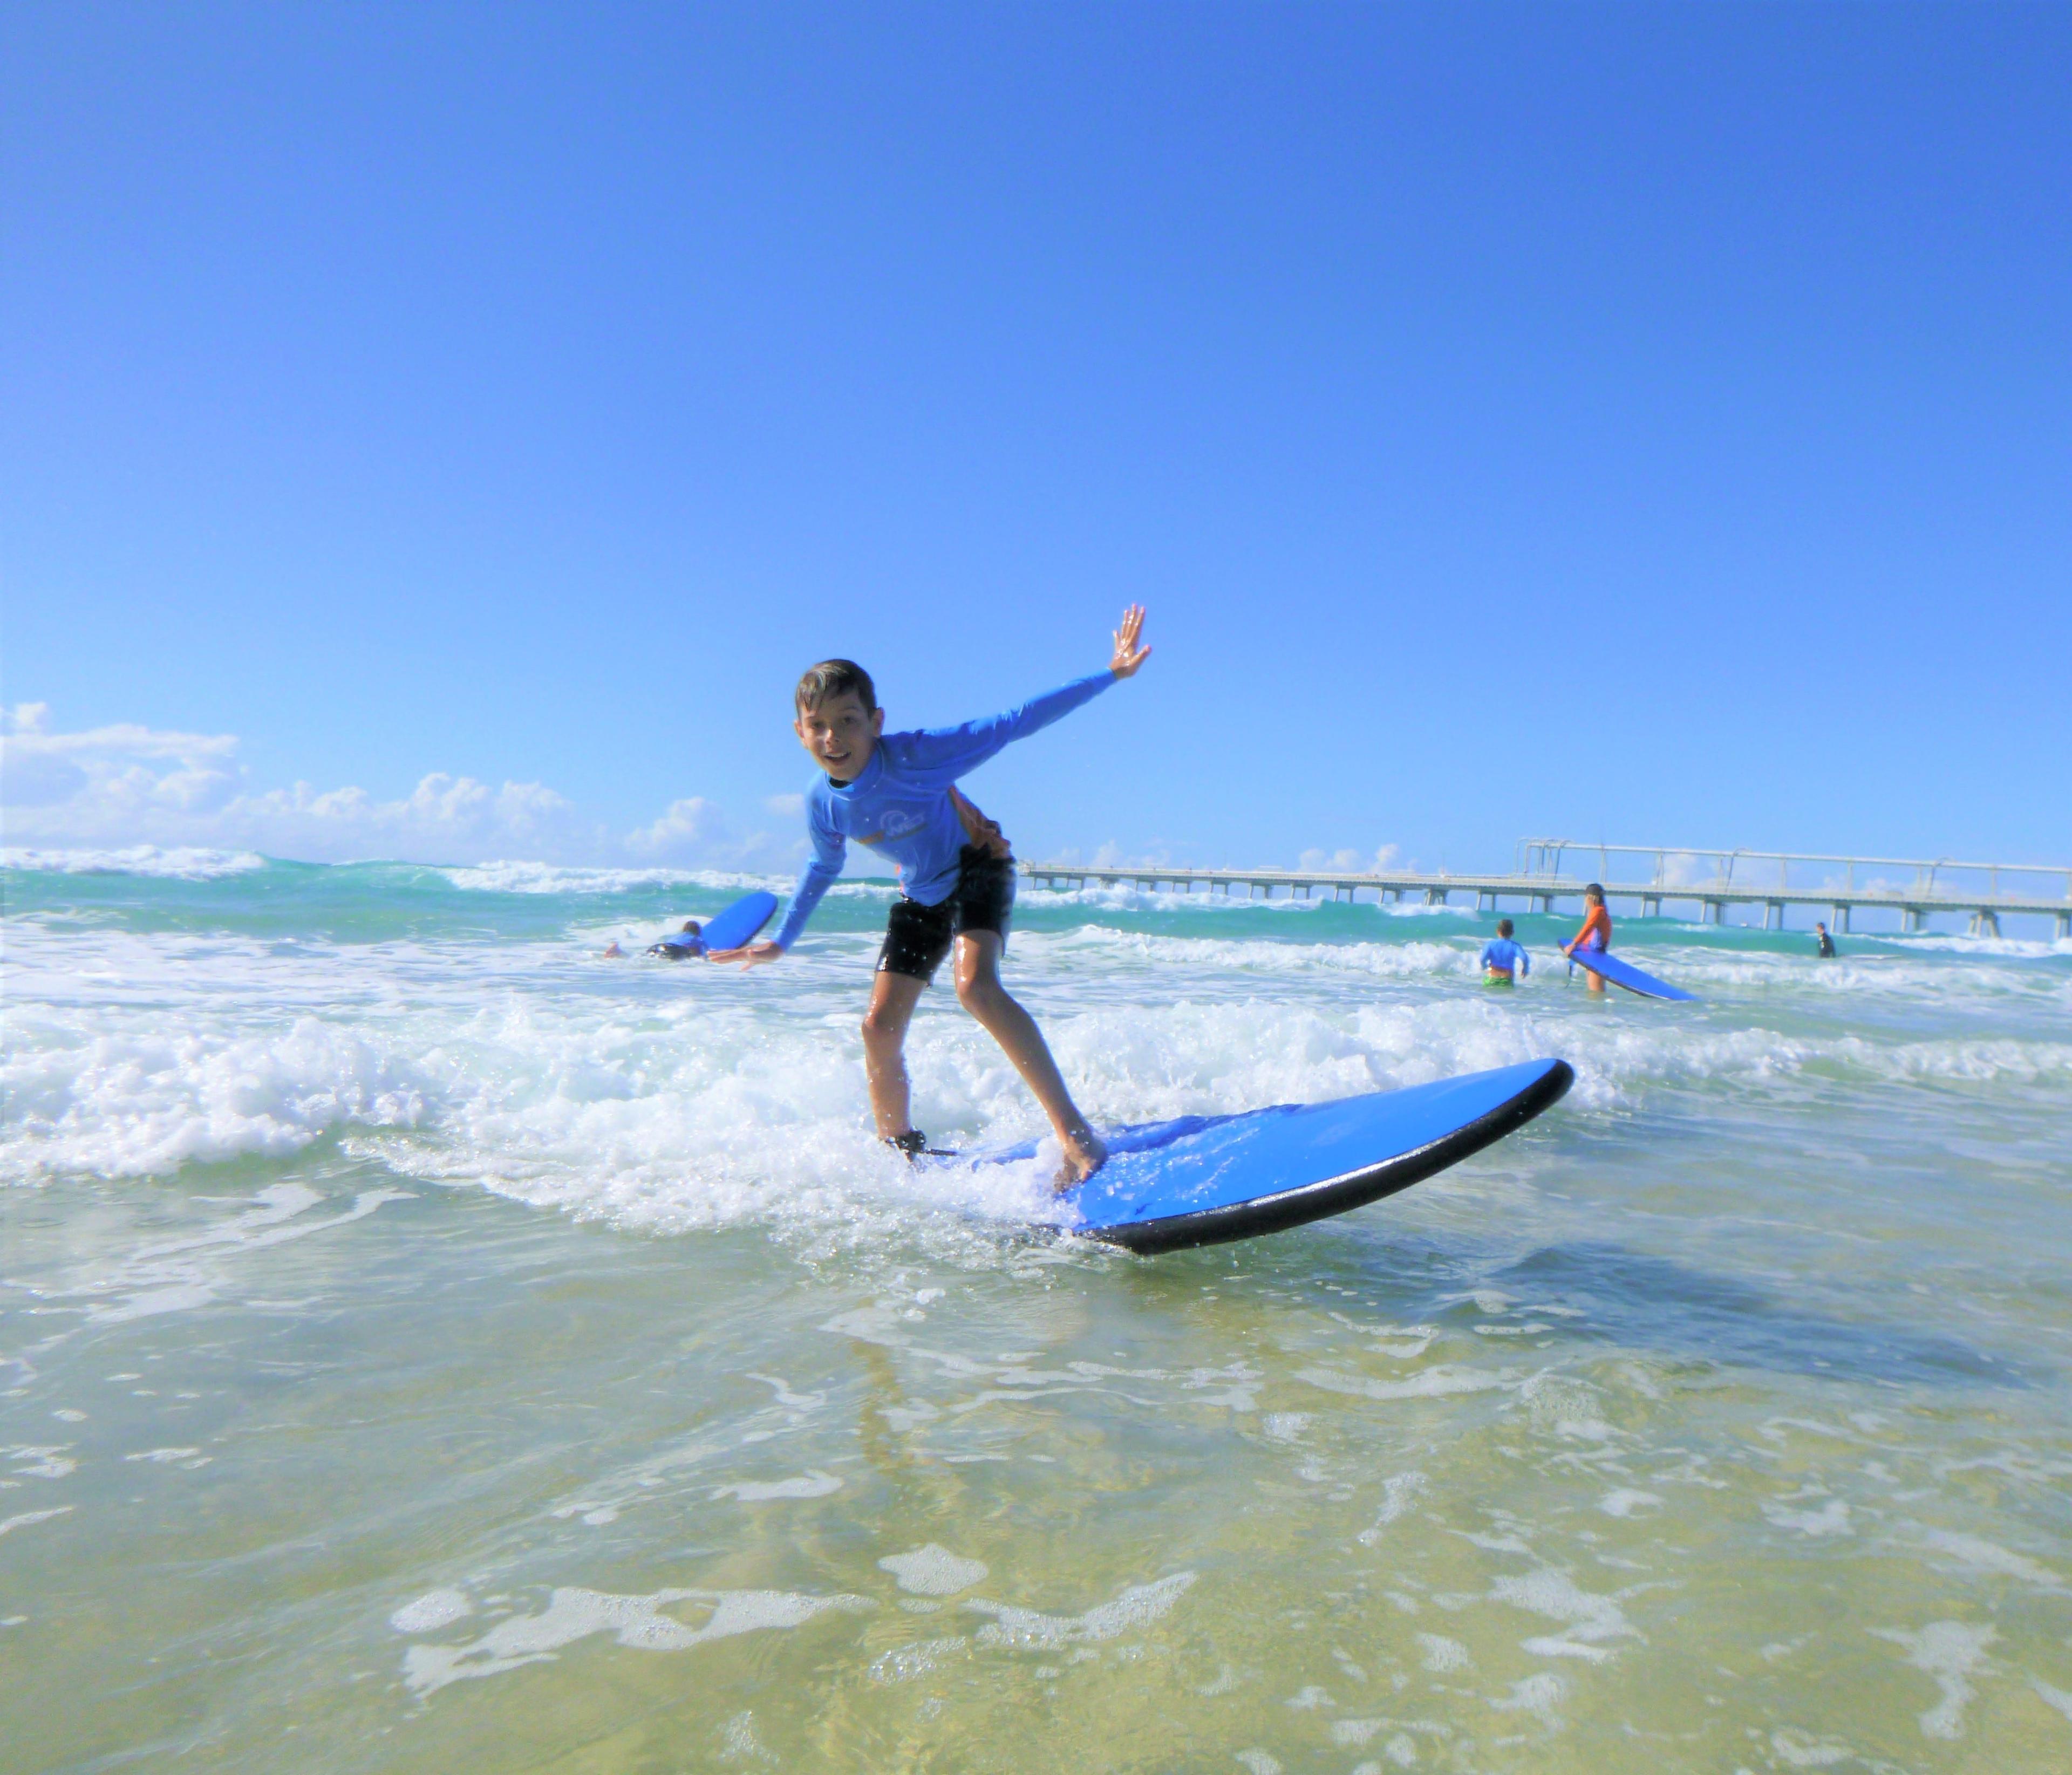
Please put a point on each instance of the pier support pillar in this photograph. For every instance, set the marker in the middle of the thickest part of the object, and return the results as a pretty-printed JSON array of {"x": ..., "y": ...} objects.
[
  {"x": 1773, "y": 914},
  {"x": 1435, "y": 896},
  {"x": 2064, "y": 926},
  {"x": 1985, "y": 922},
  {"x": 1543, "y": 903},
  {"x": 1912, "y": 918},
  {"x": 1715, "y": 913},
  {"x": 1841, "y": 920},
  {"x": 1651, "y": 906}
]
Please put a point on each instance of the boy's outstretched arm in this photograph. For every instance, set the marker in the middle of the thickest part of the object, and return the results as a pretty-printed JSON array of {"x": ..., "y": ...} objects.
[
  {"x": 819, "y": 875},
  {"x": 944, "y": 753}
]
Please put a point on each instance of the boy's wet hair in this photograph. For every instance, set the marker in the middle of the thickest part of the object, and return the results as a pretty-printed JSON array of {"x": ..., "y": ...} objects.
[
  {"x": 835, "y": 678},
  {"x": 1594, "y": 891},
  {"x": 1503, "y": 927}
]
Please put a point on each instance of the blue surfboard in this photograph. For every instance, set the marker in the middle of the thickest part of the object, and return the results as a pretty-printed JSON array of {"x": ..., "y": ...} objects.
[
  {"x": 1633, "y": 979},
  {"x": 1204, "y": 1180},
  {"x": 741, "y": 921},
  {"x": 728, "y": 930}
]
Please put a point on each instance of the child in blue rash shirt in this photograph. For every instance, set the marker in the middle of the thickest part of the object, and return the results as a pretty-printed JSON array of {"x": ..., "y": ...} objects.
[
  {"x": 896, "y": 793},
  {"x": 1504, "y": 961}
]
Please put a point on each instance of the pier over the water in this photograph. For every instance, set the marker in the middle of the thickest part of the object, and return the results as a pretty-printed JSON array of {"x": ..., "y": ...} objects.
[{"x": 1546, "y": 870}]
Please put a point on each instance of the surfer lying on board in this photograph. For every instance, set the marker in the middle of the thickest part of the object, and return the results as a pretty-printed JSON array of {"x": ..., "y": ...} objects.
[
  {"x": 676, "y": 948},
  {"x": 1596, "y": 934},
  {"x": 1504, "y": 961},
  {"x": 896, "y": 792}
]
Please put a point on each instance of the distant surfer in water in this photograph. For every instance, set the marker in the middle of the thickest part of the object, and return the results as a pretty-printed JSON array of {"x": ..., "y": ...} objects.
[
  {"x": 1504, "y": 961},
  {"x": 682, "y": 946},
  {"x": 1596, "y": 934},
  {"x": 896, "y": 793},
  {"x": 1826, "y": 942}
]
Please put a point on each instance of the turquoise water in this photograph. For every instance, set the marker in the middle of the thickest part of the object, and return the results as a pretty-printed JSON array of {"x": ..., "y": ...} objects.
[{"x": 430, "y": 1346}]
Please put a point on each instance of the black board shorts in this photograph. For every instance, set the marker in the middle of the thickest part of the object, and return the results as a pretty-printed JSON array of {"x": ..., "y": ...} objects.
[{"x": 917, "y": 936}]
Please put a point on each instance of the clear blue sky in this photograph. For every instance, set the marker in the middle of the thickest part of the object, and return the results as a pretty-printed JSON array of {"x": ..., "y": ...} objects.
[{"x": 1644, "y": 422}]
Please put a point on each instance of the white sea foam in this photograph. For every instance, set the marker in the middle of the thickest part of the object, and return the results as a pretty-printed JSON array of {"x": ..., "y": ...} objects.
[
  {"x": 814, "y": 1484},
  {"x": 1134, "y": 1608},
  {"x": 28, "y": 1519},
  {"x": 2017, "y": 946},
  {"x": 933, "y": 1571},
  {"x": 181, "y": 1275},
  {"x": 524, "y": 877},
  {"x": 182, "y": 863},
  {"x": 1436, "y": 1382},
  {"x": 1588, "y": 1618},
  {"x": 435, "y": 1608},
  {"x": 1121, "y": 897},
  {"x": 1977, "y": 1553},
  {"x": 639, "y": 1622},
  {"x": 1951, "y": 1652},
  {"x": 688, "y": 1098},
  {"x": 699, "y": 1111},
  {"x": 1442, "y": 1655},
  {"x": 1383, "y": 960}
]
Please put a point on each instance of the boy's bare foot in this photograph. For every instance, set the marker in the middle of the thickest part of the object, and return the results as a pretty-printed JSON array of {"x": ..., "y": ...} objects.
[{"x": 1085, "y": 1153}]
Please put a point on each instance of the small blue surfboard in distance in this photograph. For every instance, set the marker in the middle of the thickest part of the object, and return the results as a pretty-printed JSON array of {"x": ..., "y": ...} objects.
[
  {"x": 1204, "y": 1180},
  {"x": 730, "y": 929},
  {"x": 1633, "y": 979}
]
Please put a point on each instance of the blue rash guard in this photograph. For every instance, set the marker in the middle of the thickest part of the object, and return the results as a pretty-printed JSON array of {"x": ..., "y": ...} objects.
[
  {"x": 900, "y": 805},
  {"x": 1506, "y": 957}
]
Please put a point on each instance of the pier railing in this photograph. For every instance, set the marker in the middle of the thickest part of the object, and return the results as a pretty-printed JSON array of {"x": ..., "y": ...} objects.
[
  {"x": 1675, "y": 866},
  {"x": 1547, "y": 871}
]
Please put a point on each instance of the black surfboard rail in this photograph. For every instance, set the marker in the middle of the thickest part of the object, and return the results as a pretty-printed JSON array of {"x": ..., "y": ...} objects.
[{"x": 1319, "y": 1201}]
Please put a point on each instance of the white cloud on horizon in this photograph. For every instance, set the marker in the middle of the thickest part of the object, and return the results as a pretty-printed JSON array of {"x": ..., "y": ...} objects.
[
  {"x": 125, "y": 785},
  {"x": 688, "y": 824}
]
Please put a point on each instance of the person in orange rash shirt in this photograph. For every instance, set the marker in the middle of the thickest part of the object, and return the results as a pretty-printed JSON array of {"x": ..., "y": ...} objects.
[{"x": 1596, "y": 934}]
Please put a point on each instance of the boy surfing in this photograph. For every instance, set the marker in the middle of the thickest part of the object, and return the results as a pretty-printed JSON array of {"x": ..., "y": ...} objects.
[{"x": 896, "y": 793}]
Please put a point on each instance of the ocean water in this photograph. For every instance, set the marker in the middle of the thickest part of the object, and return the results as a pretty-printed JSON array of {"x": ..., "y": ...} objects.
[{"x": 430, "y": 1346}]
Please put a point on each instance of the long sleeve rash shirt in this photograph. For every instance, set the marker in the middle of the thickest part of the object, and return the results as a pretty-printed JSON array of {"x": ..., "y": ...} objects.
[
  {"x": 1501, "y": 955},
  {"x": 900, "y": 805},
  {"x": 1597, "y": 931}
]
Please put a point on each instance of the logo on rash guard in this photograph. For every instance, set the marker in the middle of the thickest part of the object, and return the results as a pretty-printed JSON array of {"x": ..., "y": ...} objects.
[{"x": 897, "y": 824}]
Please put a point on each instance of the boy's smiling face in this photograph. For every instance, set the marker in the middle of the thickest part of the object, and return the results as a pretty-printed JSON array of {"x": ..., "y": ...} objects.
[{"x": 841, "y": 734}]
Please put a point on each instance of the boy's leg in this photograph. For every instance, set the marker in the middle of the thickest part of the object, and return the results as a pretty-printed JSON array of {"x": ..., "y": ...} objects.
[
  {"x": 980, "y": 991},
  {"x": 892, "y": 997}
]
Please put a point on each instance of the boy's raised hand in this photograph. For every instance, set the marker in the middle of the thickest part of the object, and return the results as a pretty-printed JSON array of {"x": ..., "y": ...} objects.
[{"x": 1129, "y": 656}]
